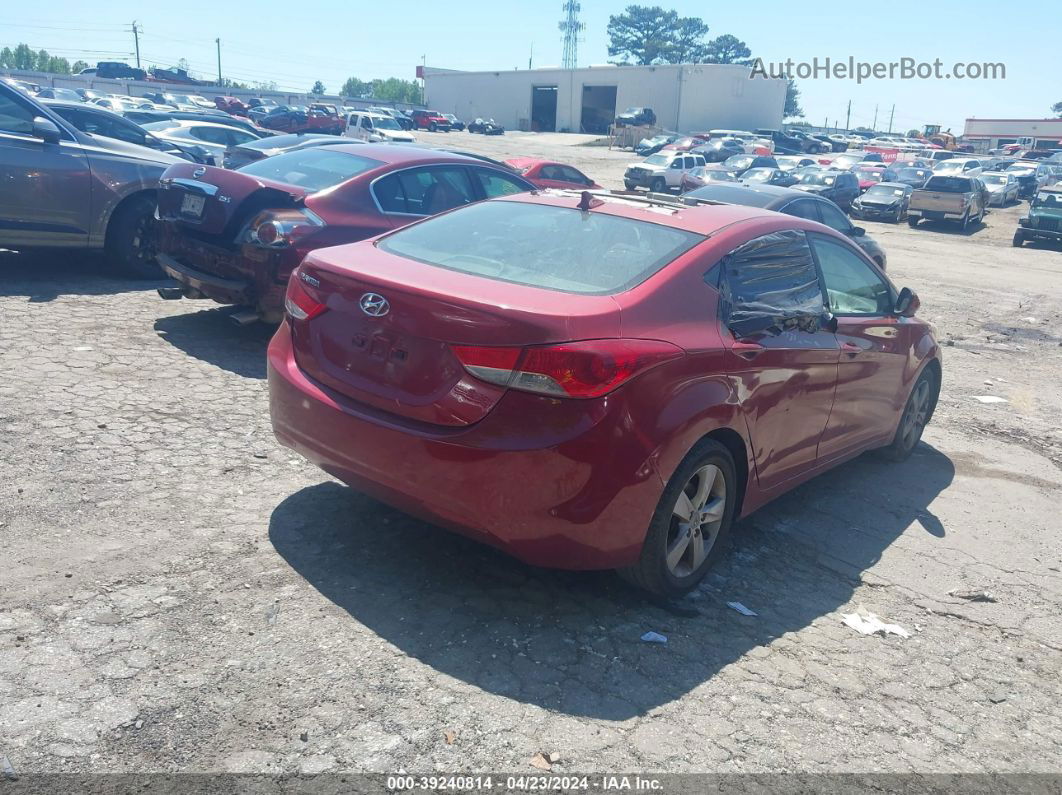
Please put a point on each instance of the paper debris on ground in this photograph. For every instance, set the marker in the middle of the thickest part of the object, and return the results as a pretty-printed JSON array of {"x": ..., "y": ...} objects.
[
  {"x": 541, "y": 761},
  {"x": 868, "y": 623},
  {"x": 450, "y": 736},
  {"x": 989, "y": 399},
  {"x": 741, "y": 608},
  {"x": 654, "y": 637},
  {"x": 972, "y": 594}
]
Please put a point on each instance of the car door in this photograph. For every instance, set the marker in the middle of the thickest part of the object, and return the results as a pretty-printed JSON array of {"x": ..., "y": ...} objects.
[
  {"x": 874, "y": 347},
  {"x": 784, "y": 376},
  {"x": 549, "y": 176},
  {"x": 45, "y": 193}
]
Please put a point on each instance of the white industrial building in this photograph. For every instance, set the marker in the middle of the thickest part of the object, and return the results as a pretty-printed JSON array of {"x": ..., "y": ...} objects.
[
  {"x": 685, "y": 97},
  {"x": 992, "y": 133}
]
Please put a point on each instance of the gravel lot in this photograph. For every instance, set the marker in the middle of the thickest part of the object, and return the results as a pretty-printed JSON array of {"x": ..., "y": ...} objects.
[{"x": 181, "y": 594}]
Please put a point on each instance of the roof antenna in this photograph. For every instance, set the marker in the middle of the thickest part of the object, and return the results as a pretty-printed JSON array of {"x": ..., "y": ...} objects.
[{"x": 587, "y": 201}]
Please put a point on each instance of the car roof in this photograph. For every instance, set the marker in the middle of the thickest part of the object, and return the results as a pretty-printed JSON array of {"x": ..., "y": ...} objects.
[
  {"x": 892, "y": 185},
  {"x": 763, "y": 196},
  {"x": 701, "y": 219},
  {"x": 1052, "y": 188},
  {"x": 391, "y": 154},
  {"x": 522, "y": 162}
]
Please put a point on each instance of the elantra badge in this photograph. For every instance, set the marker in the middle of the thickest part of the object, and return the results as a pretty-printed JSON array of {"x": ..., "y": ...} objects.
[{"x": 374, "y": 304}]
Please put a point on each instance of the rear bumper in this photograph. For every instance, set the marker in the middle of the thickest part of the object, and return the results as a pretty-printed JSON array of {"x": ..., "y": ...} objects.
[
  {"x": 1030, "y": 233},
  {"x": 935, "y": 215},
  {"x": 577, "y": 492},
  {"x": 228, "y": 276}
]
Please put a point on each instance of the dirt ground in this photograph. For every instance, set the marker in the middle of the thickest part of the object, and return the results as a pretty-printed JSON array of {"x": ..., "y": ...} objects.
[{"x": 179, "y": 593}]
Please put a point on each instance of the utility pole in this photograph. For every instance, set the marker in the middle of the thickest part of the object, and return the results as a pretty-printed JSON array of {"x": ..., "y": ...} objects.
[
  {"x": 891, "y": 114},
  {"x": 423, "y": 80},
  {"x": 531, "y": 57},
  {"x": 874, "y": 126},
  {"x": 848, "y": 118},
  {"x": 218, "y": 42},
  {"x": 136, "y": 43}
]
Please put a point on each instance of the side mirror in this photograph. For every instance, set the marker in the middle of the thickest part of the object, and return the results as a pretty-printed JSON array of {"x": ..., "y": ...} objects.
[
  {"x": 46, "y": 130},
  {"x": 858, "y": 231},
  {"x": 907, "y": 303}
]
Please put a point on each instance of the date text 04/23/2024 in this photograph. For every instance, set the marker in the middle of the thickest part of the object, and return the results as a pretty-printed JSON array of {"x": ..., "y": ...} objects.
[{"x": 518, "y": 783}]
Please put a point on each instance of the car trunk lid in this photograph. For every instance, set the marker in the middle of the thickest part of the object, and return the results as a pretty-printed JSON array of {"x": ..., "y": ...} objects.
[
  {"x": 214, "y": 200},
  {"x": 399, "y": 359}
]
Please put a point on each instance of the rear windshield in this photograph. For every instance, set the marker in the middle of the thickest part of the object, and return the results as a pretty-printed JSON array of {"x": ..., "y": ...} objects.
[
  {"x": 949, "y": 184},
  {"x": 313, "y": 169},
  {"x": 558, "y": 248},
  {"x": 281, "y": 141}
]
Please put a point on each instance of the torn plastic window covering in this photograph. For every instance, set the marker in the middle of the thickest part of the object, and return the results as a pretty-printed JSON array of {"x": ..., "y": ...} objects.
[{"x": 770, "y": 284}]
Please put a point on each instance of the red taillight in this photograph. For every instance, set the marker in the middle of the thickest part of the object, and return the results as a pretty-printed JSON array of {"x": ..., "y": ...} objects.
[
  {"x": 299, "y": 304},
  {"x": 586, "y": 369},
  {"x": 281, "y": 228}
]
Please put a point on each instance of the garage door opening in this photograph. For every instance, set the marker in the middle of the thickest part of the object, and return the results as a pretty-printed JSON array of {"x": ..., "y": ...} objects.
[
  {"x": 599, "y": 109},
  {"x": 544, "y": 108}
]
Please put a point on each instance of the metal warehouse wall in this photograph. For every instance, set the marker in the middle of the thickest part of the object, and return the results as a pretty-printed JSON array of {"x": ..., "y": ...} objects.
[{"x": 684, "y": 97}]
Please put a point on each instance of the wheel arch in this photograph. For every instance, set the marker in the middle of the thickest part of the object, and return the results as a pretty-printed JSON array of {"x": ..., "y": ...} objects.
[
  {"x": 735, "y": 444},
  {"x": 119, "y": 207}
]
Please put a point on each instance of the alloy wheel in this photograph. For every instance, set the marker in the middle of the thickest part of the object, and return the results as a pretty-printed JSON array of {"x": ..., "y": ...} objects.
[
  {"x": 696, "y": 519},
  {"x": 915, "y": 415}
]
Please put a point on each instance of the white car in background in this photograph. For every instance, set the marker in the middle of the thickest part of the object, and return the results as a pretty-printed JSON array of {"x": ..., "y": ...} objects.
[
  {"x": 959, "y": 167},
  {"x": 662, "y": 171},
  {"x": 213, "y": 138},
  {"x": 376, "y": 127},
  {"x": 1003, "y": 188}
]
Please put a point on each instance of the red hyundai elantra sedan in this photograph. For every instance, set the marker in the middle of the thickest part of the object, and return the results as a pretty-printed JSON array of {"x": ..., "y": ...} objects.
[{"x": 597, "y": 381}]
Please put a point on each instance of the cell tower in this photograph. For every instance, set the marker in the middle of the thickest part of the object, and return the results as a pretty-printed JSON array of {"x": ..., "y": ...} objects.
[{"x": 572, "y": 27}]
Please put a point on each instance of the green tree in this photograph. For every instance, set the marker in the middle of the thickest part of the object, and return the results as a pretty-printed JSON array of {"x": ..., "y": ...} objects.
[
  {"x": 912, "y": 133},
  {"x": 649, "y": 34},
  {"x": 318, "y": 88},
  {"x": 7, "y": 58},
  {"x": 354, "y": 87},
  {"x": 24, "y": 57},
  {"x": 394, "y": 89},
  {"x": 1057, "y": 109},
  {"x": 728, "y": 49},
  {"x": 792, "y": 101},
  {"x": 78, "y": 66}
]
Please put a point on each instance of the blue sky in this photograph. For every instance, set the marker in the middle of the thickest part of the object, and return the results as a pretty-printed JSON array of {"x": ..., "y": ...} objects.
[{"x": 330, "y": 40}]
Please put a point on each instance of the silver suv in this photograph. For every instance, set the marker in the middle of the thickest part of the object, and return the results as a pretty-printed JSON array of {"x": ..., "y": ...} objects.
[
  {"x": 661, "y": 172},
  {"x": 64, "y": 188}
]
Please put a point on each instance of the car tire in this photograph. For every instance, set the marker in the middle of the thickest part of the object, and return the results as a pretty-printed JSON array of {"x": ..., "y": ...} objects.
[
  {"x": 706, "y": 483},
  {"x": 912, "y": 222},
  {"x": 630, "y": 185},
  {"x": 132, "y": 239},
  {"x": 899, "y": 215},
  {"x": 917, "y": 413},
  {"x": 658, "y": 185},
  {"x": 432, "y": 127},
  {"x": 965, "y": 224},
  {"x": 1018, "y": 240}
]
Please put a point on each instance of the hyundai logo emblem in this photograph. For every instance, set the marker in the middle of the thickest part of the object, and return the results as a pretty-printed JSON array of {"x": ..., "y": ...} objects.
[
  {"x": 374, "y": 304},
  {"x": 199, "y": 171}
]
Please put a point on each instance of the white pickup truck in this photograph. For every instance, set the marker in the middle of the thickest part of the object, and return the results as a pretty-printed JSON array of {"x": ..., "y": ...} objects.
[
  {"x": 375, "y": 127},
  {"x": 661, "y": 172}
]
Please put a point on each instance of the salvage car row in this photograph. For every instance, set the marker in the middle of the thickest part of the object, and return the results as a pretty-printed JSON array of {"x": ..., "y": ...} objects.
[{"x": 584, "y": 379}]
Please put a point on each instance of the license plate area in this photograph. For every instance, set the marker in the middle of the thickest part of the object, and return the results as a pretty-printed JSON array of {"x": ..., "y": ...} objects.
[{"x": 192, "y": 205}]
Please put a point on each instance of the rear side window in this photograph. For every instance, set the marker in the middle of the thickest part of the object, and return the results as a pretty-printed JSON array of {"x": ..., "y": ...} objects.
[
  {"x": 314, "y": 169},
  {"x": 424, "y": 191},
  {"x": 496, "y": 184},
  {"x": 557, "y": 248},
  {"x": 770, "y": 285}
]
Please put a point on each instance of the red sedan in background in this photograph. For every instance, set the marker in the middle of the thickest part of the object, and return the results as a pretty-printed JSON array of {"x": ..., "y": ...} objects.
[
  {"x": 594, "y": 381},
  {"x": 551, "y": 174},
  {"x": 233, "y": 105},
  {"x": 686, "y": 144},
  {"x": 869, "y": 176},
  {"x": 235, "y": 236}
]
